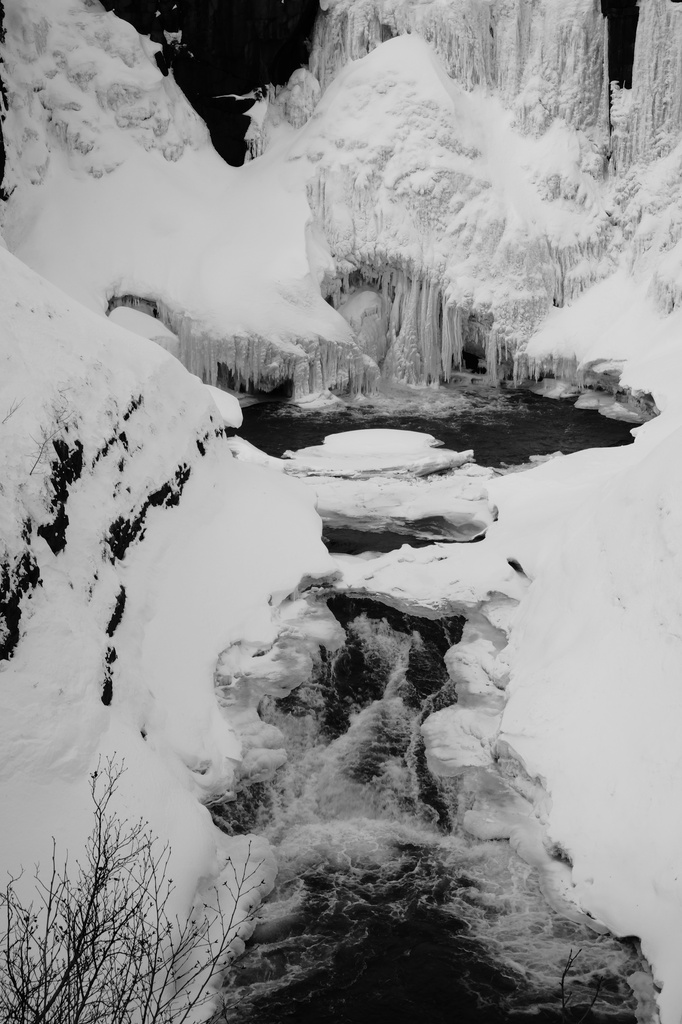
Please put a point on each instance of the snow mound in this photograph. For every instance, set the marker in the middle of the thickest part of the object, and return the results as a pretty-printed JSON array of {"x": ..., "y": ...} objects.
[{"x": 377, "y": 441}]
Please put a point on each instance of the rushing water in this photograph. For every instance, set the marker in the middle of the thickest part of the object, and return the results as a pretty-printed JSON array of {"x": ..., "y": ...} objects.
[
  {"x": 385, "y": 909},
  {"x": 504, "y": 425}
]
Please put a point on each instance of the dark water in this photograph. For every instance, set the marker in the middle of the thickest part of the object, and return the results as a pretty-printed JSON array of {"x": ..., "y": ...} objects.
[
  {"x": 385, "y": 910},
  {"x": 504, "y": 425}
]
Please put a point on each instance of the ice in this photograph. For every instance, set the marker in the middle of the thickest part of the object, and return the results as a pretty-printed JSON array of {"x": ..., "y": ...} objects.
[
  {"x": 526, "y": 57},
  {"x": 362, "y": 453},
  {"x": 377, "y": 480},
  {"x": 117, "y": 196},
  {"x": 469, "y": 246},
  {"x": 452, "y": 507},
  {"x": 438, "y": 580}
]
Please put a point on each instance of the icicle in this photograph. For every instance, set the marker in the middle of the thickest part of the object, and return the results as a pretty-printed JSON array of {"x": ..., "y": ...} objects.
[{"x": 451, "y": 350}]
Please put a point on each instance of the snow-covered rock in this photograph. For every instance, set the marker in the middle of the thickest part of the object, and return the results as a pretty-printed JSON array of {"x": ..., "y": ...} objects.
[{"x": 134, "y": 549}]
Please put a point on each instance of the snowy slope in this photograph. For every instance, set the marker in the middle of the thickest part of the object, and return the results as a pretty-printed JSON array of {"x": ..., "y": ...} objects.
[
  {"x": 594, "y": 701},
  {"x": 134, "y": 551}
]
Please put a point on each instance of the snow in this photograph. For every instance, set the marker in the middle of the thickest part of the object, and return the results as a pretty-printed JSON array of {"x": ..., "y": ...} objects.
[
  {"x": 210, "y": 568},
  {"x": 227, "y": 405}
]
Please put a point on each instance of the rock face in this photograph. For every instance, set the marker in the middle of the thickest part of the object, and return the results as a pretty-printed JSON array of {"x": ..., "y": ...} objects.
[{"x": 224, "y": 47}]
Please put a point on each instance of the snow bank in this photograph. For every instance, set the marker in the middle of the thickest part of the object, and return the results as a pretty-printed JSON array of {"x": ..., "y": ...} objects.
[
  {"x": 593, "y": 702},
  {"x": 134, "y": 550}
]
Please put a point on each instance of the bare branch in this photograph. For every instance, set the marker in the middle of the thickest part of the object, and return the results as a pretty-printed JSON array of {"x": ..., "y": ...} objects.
[{"x": 97, "y": 943}]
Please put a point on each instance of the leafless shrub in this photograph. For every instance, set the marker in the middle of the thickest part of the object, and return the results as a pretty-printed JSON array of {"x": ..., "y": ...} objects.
[{"x": 96, "y": 944}]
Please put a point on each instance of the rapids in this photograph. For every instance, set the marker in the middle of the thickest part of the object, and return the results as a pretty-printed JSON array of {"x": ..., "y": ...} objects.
[{"x": 385, "y": 907}]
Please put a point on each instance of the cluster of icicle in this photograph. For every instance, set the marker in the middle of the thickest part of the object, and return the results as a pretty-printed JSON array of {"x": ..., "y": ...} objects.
[
  {"x": 414, "y": 331},
  {"x": 252, "y": 363}
]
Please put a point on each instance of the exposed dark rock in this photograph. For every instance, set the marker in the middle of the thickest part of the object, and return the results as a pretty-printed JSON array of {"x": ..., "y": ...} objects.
[
  {"x": 117, "y": 614},
  {"x": 18, "y": 579},
  {"x": 221, "y": 49},
  {"x": 108, "y": 684},
  {"x": 124, "y": 530},
  {"x": 65, "y": 470},
  {"x": 135, "y": 403}
]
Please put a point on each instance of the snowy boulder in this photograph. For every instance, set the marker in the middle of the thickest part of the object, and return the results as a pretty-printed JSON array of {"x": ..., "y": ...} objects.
[{"x": 228, "y": 406}]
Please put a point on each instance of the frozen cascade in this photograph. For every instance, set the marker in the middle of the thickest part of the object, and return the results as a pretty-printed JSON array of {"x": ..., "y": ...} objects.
[
  {"x": 377, "y": 877},
  {"x": 449, "y": 190},
  {"x": 252, "y": 363},
  {"x": 649, "y": 117},
  {"x": 408, "y": 326},
  {"x": 516, "y": 49}
]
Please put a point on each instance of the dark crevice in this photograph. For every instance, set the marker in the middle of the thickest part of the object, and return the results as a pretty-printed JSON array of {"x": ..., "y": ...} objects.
[
  {"x": 117, "y": 614},
  {"x": 18, "y": 579},
  {"x": 65, "y": 470},
  {"x": 223, "y": 49},
  {"x": 108, "y": 684},
  {"x": 124, "y": 530},
  {"x": 622, "y": 17}
]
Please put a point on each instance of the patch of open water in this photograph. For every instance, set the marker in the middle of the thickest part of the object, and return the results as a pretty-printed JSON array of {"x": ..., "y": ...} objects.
[{"x": 504, "y": 425}]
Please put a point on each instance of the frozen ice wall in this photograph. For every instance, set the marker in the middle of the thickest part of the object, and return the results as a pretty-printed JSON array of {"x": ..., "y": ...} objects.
[
  {"x": 545, "y": 59},
  {"x": 649, "y": 116},
  {"x": 459, "y": 178}
]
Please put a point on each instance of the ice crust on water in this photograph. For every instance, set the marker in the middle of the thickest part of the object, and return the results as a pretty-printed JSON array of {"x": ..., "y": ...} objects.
[
  {"x": 388, "y": 480},
  {"x": 360, "y": 453}
]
